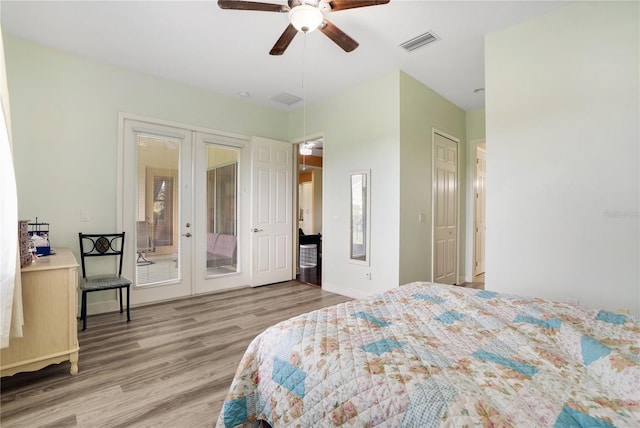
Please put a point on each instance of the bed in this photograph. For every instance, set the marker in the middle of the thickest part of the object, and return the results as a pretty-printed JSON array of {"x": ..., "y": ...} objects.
[{"x": 427, "y": 355}]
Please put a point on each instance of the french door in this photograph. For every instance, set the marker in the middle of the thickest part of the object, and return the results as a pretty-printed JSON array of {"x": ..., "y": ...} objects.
[{"x": 179, "y": 203}]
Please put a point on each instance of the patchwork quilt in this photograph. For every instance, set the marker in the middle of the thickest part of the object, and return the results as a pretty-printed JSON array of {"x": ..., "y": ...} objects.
[{"x": 430, "y": 355}]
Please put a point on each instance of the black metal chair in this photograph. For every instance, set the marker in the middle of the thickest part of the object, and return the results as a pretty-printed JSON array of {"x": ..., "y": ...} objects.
[{"x": 102, "y": 245}]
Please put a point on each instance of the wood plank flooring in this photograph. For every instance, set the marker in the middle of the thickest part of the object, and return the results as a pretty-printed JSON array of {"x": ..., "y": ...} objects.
[{"x": 170, "y": 366}]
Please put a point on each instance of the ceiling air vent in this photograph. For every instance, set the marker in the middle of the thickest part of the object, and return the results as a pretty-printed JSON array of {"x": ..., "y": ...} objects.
[
  {"x": 286, "y": 98},
  {"x": 421, "y": 40}
]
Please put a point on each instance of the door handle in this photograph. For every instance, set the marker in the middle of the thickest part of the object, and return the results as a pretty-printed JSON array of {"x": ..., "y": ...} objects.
[
  {"x": 188, "y": 235},
  {"x": 256, "y": 230}
]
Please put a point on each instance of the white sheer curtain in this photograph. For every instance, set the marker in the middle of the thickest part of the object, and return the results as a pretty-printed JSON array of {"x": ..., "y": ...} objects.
[{"x": 10, "y": 291}]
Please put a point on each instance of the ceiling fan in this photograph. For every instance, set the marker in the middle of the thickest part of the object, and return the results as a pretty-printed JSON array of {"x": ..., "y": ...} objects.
[{"x": 305, "y": 16}]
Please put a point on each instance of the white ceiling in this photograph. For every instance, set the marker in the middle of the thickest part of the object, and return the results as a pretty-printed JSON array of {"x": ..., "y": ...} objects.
[{"x": 227, "y": 51}]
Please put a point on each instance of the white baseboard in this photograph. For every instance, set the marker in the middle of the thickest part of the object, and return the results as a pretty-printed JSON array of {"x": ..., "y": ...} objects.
[
  {"x": 354, "y": 293},
  {"x": 100, "y": 307}
]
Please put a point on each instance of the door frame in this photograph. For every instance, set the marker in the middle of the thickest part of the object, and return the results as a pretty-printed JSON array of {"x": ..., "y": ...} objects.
[
  {"x": 478, "y": 145},
  {"x": 435, "y": 131},
  {"x": 307, "y": 219}
]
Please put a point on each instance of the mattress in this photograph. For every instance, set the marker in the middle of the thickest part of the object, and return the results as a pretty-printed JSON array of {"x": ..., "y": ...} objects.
[{"x": 432, "y": 355}]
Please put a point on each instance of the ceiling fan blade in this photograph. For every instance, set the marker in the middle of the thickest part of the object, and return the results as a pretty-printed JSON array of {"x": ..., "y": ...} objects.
[
  {"x": 283, "y": 42},
  {"x": 338, "y": 36},
  {"x": 351, "y": 4},
  {"x": 252, "y": 5}
]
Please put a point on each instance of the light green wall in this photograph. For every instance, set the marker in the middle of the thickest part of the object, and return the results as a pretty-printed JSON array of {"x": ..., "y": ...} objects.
[
  {"x": 563, "y": 150},
  {"x": 421, "y": 111},
  {"x": 475, "y": 120},
  {"x": 361, "y": 131},
  {"x": 65, "y": 116},
  {"x": 65, "y": 122}
]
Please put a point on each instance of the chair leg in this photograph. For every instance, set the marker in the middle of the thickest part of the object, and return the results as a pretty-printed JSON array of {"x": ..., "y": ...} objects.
[
  {"x": 83, "y": 310},
  {"x": 120, "y": 290},
  {"x": 128, "y": 315}
]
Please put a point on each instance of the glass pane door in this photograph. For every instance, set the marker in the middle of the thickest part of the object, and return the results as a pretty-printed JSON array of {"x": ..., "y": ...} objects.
[
  {"x": 180, "y": 193},
  {"x": 222, "y": 206},
  {"x": 219, "y": 257},
  {"x": 157, "y": 202}
]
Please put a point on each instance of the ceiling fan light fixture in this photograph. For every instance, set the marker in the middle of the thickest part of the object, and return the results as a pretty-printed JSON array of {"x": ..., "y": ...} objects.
[
  {"x": 305, "y": 18},
  {"x": 306, "y": 150}
]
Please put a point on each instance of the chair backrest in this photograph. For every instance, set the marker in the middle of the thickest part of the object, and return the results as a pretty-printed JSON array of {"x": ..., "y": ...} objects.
[
  {"x": 212, "y": 238},
  {"x": 101, "y": 245},
  {"x": 226, "y": 246}
]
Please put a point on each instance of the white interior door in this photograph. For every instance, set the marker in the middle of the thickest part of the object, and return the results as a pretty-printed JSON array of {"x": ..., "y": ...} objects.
[
  {"x": 480, "y": 226},
  {"x": 271, "y": 208},
  {"x": 445, "y": 209}
]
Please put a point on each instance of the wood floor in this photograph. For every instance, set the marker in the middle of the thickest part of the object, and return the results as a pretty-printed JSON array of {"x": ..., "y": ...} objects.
[{"x": 170, "y": 366}]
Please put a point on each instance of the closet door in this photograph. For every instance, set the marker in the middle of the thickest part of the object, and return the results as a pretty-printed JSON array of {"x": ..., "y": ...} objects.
[{"x": 445, "y": 209}]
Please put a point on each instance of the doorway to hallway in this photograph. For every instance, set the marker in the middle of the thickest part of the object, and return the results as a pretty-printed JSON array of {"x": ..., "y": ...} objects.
[{"x": 309, "y": 211}]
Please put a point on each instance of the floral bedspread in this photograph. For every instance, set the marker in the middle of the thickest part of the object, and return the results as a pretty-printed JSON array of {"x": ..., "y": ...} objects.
[{"x": 427, "y": 355}]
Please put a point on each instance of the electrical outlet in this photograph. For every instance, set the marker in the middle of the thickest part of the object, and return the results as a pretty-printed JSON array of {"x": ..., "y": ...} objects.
[{"x": 84, "y": 215}]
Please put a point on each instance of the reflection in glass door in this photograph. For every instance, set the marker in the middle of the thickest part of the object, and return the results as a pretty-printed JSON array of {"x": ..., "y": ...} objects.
[
  {"x": 162, "y": 206},
  {"x": 157, "y": 209},
  {"x": 222, "y": 207}
]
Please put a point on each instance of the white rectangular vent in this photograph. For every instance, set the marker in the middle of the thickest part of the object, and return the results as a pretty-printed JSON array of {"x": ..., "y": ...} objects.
[
  {"x": 286, "y": 98},
  {"x": 421, "y": 40}
]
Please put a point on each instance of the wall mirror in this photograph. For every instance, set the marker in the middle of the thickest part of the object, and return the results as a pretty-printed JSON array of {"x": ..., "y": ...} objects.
[{"x": 360, "y": 211}]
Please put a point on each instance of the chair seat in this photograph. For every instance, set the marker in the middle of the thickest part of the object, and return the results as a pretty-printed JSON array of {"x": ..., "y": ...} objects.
[{"x": 103, "y": 282}]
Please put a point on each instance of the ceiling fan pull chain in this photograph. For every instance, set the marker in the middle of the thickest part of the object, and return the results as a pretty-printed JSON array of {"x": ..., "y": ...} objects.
[{"x": 304, "y": 93}]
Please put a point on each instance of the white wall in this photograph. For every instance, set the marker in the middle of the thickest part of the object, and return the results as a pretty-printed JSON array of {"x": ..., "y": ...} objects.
[
  {"x": 562, "y": 111},
  {"x": 361, "y": 131}
]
